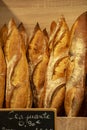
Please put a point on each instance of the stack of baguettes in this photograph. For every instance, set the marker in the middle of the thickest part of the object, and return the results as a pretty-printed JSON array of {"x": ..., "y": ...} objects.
[{"x": 47, "y": 71}]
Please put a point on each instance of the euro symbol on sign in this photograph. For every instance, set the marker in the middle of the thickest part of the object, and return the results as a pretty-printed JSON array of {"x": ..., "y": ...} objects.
[{"x": 38, "y": 122}]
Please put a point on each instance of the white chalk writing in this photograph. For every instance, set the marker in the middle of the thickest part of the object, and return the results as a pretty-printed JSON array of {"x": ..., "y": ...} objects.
[{"x": 28, "y": 120}]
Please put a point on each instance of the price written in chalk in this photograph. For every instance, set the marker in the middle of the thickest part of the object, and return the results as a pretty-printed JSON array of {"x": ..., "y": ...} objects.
[
  {"x": 21, "y": 120},
  {"x": 28, "y": 120}
]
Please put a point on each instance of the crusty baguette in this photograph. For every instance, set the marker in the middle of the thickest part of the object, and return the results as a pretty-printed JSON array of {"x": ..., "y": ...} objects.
[
  {"x": 18, "y": 92},
  {"x": 76, "y": 70},
  {"x": 38, "y": 60},
  {"x": 2, "y": 77},
  {"x": 3, "y": 37},
  {"x": 56, "y": 71}
]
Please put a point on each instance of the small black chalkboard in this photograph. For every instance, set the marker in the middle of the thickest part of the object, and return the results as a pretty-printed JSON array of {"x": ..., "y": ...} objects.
[{"x": 33, "y": 119}]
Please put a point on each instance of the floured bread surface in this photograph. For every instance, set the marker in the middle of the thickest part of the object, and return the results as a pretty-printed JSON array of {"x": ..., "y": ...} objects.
[
  {"x": 76, "y": 70},
  {"x": 18, "y": 91},
  {"x": 56, "y": 70}
]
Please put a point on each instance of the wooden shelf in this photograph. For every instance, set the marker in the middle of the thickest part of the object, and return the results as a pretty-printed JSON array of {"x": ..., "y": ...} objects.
[{"x": 68, "y": 123}]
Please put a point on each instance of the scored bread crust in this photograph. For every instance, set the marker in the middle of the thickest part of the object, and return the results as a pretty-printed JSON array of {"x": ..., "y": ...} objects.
[
  {"x": 38, "y": 60},
  {"x": 56, "y": 71},
  {"x": 18, "y": 92},
  {"x": 76, "y": 69}
]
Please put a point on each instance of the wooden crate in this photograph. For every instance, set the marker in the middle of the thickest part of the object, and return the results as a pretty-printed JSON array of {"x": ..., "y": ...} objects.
[{"x": 44, "y": 11}]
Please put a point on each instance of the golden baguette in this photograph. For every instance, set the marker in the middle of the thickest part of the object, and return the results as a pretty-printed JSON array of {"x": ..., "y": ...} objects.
[
  {"x": 18, "y": 91},
  {"x": 76, "y": 70},
  {"x": 38, "y": 60},
  {"x": 2, "y": 77},
  {"x": 56, "y": 71},
  {"x": 3, "y": 37}
]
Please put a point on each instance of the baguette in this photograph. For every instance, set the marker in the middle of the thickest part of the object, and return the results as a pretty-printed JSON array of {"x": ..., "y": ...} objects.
[
  {"x": 3, "y": 37},
  {"x": 18, "y": 91},
  {"x": 38, "y": 60},
  {"x": 56, "y": 71},
  {"x": 2, "y": 77},
  {"x": 76, "y": 69}
]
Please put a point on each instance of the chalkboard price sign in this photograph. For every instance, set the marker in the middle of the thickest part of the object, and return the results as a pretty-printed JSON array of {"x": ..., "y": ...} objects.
[{"x": 33, "y": 119}]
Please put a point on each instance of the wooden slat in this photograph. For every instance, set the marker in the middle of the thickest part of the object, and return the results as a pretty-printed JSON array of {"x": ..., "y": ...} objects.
[{"x": 64, "y": 123}]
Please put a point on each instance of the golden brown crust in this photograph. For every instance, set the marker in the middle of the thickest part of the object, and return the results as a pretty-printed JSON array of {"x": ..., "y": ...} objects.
[
  {"x": 52, "y": 27},
  {"x": 56, "y": 70},
  {"x": 2, "y": 77},
  {"x": 24, "y": 34},
  {"x": 58, "y": 99},
  {"x": 38, "y": 57},
  {"x": 3, "y": 35},
  {"x": 18, "y": 92},
  {"x": 76, "y": 77}
]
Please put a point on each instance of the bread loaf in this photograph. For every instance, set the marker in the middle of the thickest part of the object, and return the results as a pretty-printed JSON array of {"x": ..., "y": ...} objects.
[
  {"x": 55, "y": 79},
  {"x": 76, "y": 69},
  {"x": 38, "y": 60},
  {"x": 18, "y": 91},
  {"x": 2, "y": 77},
  {"x": 3, "y": 36}
]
